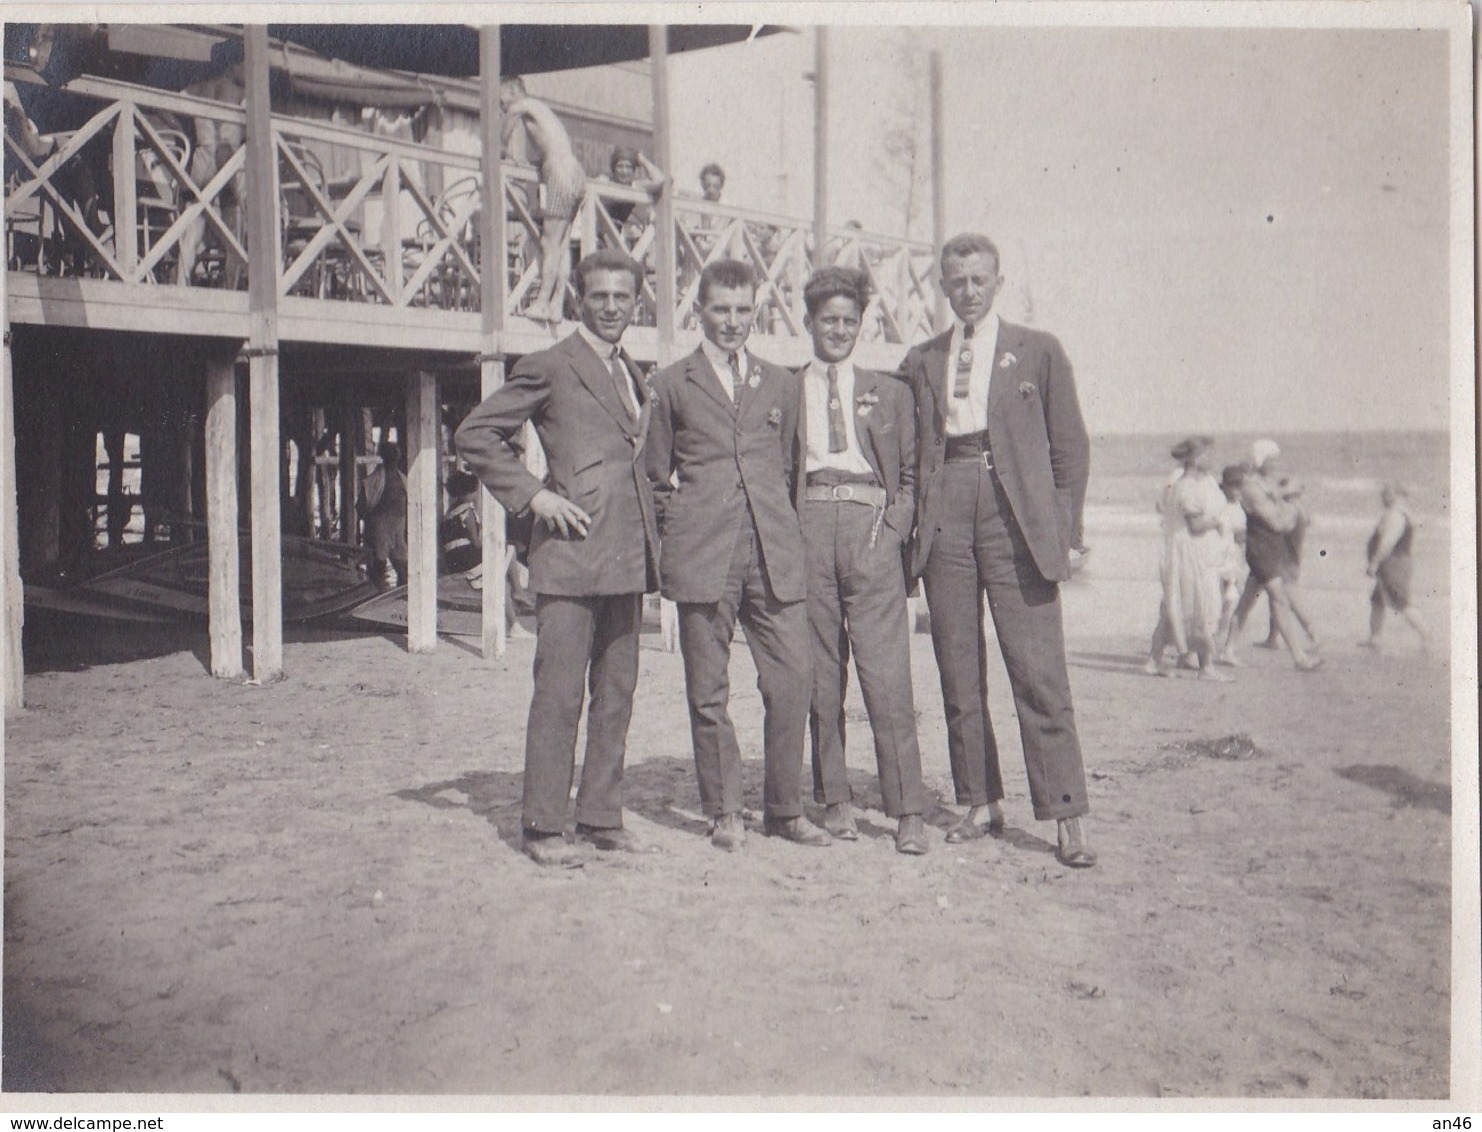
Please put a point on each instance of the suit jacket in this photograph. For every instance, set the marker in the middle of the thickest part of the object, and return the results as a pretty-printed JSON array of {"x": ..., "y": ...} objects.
[
  {"x": 1040, "y": 448},
  {"x": 594, "y": 449},
  {"x": 727, "y": 464},
  {"x": 886, "y": 428}
]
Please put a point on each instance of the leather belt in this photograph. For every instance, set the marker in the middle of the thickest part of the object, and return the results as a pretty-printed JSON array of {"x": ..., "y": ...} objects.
[
  {"x": 870, "y": 494},
  {"x": 971, "y": 447}
]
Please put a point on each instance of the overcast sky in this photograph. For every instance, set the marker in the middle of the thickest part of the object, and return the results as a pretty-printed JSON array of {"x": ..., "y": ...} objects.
[{"x": 1229, "y": 229}]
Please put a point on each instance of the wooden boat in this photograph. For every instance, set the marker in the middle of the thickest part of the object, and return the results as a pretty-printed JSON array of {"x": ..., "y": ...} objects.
[
  {"x": 320, "y": 580},
  {"x": 460, "y": 606}
]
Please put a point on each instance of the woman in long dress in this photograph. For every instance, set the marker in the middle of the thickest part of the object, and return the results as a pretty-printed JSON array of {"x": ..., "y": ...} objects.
[{"x": 1193, "y": 553}]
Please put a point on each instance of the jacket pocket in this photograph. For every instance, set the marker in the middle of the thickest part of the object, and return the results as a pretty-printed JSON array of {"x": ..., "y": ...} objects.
[{"x": 586, "y": 484}]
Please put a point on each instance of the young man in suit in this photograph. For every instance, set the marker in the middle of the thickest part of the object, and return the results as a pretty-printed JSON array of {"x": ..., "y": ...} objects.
[
  {"x": 855, "y": 475},
  {"x": 593, "y": 552},
  {"x": 719, "y": 453},
  {"x": 1002, "y": 463}
]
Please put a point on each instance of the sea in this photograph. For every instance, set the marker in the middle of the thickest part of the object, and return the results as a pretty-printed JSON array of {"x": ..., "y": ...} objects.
[{"x": 1342, "y": 472}]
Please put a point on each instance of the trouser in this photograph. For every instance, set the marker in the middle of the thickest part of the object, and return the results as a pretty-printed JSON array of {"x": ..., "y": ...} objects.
[
  {"x": 777, "y": 633},
  {"x": 978, "y": 547},
  {"x": 857, "y": 603},
  {"x": 582, "y": 643}
]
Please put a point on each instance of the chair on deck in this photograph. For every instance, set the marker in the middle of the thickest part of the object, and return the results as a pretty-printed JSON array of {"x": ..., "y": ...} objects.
[
  {"x": 332, "y": 274},
  {"x": 157, "y": 193},
  {"x": 457, "y": 208}
]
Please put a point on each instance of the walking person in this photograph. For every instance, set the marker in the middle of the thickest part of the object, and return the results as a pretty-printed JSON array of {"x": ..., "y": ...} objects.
[
  {"x": 593, "y": 553},
  {"x": 1391, "y": 565},
  {"x": 1002, "y": 460},
  {"x": 1192, "y": 558},
  {"x": 854, "y": 474},
  {"x": 720, "y": 450}
]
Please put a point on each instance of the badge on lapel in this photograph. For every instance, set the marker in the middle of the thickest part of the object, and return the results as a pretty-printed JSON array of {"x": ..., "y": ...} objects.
[
  {"x": 756, "y": 377},
  {"x": 865, "y": 402},
  {"x": 1007, "y": 361},
  {"x": 774, "y": 418},
  {"x": 1026, "y": 388}
]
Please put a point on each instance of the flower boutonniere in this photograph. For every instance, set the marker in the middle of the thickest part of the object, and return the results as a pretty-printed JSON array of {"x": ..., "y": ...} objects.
[
  {"x": 865, "y": 402},
  {"x": 774, "y": 418},
  {"x": 1007, "y": 361},
  {"x": 756, "y": 377},
  {"x": 1026, "y": 388}
]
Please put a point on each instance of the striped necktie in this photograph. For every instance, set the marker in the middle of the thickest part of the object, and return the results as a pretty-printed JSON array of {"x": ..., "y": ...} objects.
[
  {"x": 621, "y": 382},
  {"x": 838, "y": 435},
  {"x": 963, "y": 380},
  {"x": 738, "y": 383}
]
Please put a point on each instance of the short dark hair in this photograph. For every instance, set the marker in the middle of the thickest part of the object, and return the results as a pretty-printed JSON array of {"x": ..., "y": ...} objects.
[
  {"x": 623, "y": 153},
  {"x": 970, "y": 243},
  {"x": 390, "y": 453},
  {"x": 725, "y": 273},
  {"x": 713, "y": 169},
  {"x": 830, "y": 282},
  {"x": 608, "y": 259}
]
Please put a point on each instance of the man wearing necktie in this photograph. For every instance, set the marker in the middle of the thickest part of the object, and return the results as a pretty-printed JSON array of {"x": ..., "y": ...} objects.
[
  {"x": 593, "y": 552},
  {"x": 719, "y": 457},
  {"x": 1002, "y": 464},
  {"x": 855, "y": 471}
]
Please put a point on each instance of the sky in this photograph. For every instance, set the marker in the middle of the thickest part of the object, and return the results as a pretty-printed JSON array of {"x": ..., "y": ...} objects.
[{"x": 1229, "y": 229}]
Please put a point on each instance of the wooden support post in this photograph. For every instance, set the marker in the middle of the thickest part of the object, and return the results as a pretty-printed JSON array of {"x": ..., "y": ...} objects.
[
  {"x": 938, "y": 178},
  {"x": 225, "y": 594},
  {"x": 347, "y": 423},
  {"x": 820, "y": 145},
  {"x": 422, "y": 491},
  {"x": 12, "y": 660},
  {"x": 664, "y": 240},
  {"x": 667, "y": 290},
  {"x": 262, "y": 353},
  {"x": 491, "y": 291}
]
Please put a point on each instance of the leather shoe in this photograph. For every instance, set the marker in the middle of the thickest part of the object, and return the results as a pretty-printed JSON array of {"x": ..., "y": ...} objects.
[
  {"x": 551, "y": 850},
  {"x": 610, "y": 839},
  {"x": 728, "y": 833},
  {"x": 969, "y": 830},
  {"x": 838, "y": 819},
  {"x": 1072, "y": 850},
  {"x": 910, "y": 835},
  {"x": 796, "y": 830}
]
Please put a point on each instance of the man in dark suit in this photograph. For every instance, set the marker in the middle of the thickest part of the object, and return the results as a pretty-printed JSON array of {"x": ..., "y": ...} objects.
[
  {"x": 719, "y": 453},
  {"x": 1003, "y": 459},
  {"x": 593, "y": 552},
  {"x": 855, "y": 475}
]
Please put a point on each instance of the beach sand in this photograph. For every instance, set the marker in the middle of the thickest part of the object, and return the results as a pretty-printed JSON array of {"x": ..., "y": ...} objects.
[{"x": 316, "y": 886}]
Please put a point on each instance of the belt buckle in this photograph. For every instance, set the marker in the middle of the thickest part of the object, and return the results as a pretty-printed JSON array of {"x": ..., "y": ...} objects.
[{"x": 843, "y": 492}]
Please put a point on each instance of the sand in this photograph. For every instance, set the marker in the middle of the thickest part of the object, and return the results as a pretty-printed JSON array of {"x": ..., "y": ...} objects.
[{"x": 315, "y": 887}]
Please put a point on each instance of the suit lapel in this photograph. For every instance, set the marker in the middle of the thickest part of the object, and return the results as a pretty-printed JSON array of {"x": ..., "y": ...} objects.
[
  {"x": 638, "y": 429},
  {"x": 1006, "y": 355},
  {"x": 699, "y": 370},
  {"x": 597, "y": 378},
  {"x": 936, "y": 374},
  {"x": 865, "y": 382},
  {"x": 753, "y": 400}
]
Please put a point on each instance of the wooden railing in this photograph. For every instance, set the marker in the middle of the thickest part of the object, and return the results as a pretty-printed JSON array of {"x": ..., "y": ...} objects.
[{"x": 365, "y": 218}]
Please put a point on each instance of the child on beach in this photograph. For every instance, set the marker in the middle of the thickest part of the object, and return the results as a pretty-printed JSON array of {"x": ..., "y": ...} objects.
[
  {"x": 1233, "y": 568},
  {"x": 1391, "y": 565}
]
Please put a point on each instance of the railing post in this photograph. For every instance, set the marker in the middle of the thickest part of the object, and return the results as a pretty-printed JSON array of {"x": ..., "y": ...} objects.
[
  {"x": 125, "y": 194},
  {"x": 262, "y": 354},
  {"x": 666, "y": 295},
  {"x": 491, "y": 291},
  {"x": 391, "y": 228}
]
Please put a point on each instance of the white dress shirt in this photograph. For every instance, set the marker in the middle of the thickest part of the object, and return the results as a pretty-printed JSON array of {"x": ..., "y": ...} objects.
[
  {"x": 969, "y": 414},
  {"x": 815, "y": 391},
  {"x": 720, "y": 361},
  {"x": 606, "y": 352}
]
